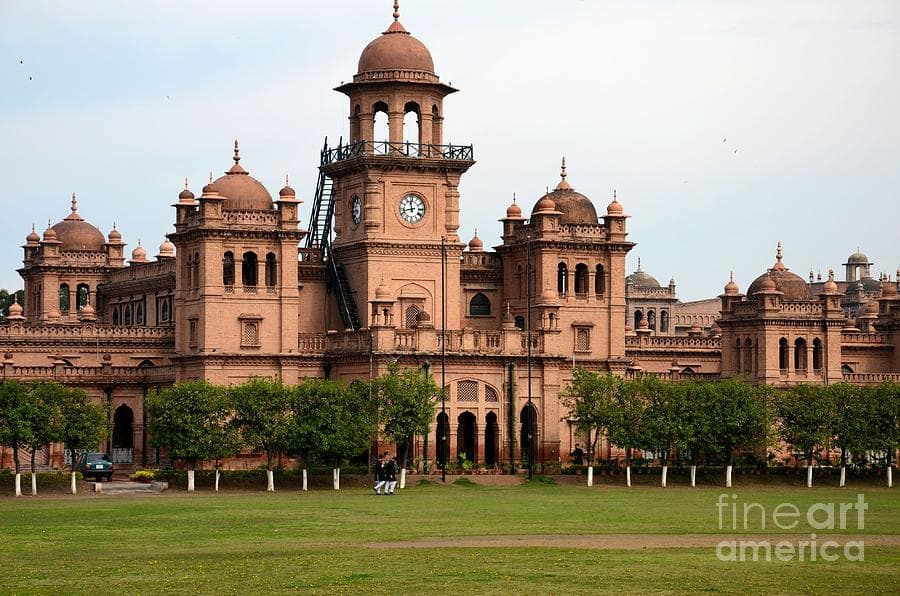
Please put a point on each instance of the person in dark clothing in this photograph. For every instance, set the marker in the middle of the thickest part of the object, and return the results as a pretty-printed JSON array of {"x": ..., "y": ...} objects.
[
  {"x": 390, "y": 476},
  {"x": 577, "y": 455},
  {"x": 379, "y": 474}
]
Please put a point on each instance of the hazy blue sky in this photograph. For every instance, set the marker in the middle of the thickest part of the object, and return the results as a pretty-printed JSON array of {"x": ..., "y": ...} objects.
[{"x": 119, "y": 101}]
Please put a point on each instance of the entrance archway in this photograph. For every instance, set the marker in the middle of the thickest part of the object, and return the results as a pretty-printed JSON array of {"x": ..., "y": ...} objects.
[
  {"x": 443, "y": 439},
  {"x": 491, "y": 436},
  {"x": 466, "y": 436},
  {"x": 528, "y": 432},
  {"x": 123, "y": 435}
]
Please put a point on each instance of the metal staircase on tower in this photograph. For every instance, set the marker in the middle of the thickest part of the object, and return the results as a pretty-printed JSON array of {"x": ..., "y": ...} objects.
[{"x": 320, "y": 237}]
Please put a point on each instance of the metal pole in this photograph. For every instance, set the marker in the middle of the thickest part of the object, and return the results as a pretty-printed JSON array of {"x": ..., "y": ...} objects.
[
  {"x": 528, "y": 353},
  {"x": 426, "y": 367},
  {"x": 443, "y": 438}
]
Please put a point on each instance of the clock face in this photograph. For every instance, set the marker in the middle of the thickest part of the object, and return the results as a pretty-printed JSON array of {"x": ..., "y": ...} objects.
[
  {"x": 412, "y": 208},
  {"x": 356, "y": 210}
]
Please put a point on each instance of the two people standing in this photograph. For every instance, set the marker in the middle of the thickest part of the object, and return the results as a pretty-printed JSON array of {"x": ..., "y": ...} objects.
[{"x": 385, "y": 475}]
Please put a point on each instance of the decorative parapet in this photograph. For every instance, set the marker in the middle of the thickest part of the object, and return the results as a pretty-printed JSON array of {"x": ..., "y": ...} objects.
[
  {"x": 510, "y": 342},
  {"x": 91, "y": 333},
  {"x": 673, "y": 343},
  {"x": 870, "y": 378},
  {"x": 399, "y": 149},
  {"x": 133, "y": 375},
  {"x": 672, "y": 375},
  {"x": 858, "y": 337}
]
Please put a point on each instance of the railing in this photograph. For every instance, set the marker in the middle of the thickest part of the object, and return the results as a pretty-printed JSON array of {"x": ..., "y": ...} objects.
[
  {"x": 673, "y": 342},
  {"x": 404, "y": 149},
  {"x": 870, "y": 378},
  {"x": 123, "y": 455}
]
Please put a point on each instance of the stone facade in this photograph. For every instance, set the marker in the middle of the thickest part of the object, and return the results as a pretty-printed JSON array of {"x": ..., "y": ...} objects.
[{"x": 242, "y": 289}]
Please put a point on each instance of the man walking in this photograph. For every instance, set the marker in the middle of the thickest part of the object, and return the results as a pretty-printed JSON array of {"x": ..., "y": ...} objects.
[
  {"x": 379, "y": 474},
  {"x": 390, "y": 476}
]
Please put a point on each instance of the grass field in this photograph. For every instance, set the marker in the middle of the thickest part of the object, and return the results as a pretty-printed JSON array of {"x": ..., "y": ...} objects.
[{"x": 324, "y": 541}]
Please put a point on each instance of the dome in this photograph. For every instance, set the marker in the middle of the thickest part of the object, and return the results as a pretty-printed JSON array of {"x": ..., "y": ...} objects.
[
  {"x": 870, "y": 284},
  {"x": 77, "y": 234},
  {"x": 395, "y": 49},
  {"x": 548, "y": 296},
  {"x": 15, "y": 309},
  {"x": 575, "y": 207},
  {"x": 830, "y": 287},
  {"x": 49, "y": 234},
  {"x": 641, "y": 279},
  {"x": 614, "y": 208},
  {"x": 790, "y": 284},
  {"x": 513, "y": 211},
  {"x": 475, "y": 244},
  {"x": 166, "y": 249},
  {"x": 114, "y": 235},
  {"x": 287, "y": 191},
  {"x": 240, "y": 189},
  {"x": 858, "y": 258},
  {"x": 731, "y": 288},
  {"x": 139, "y": 254},
  {"x": 382, "y": 292},
  {"x": 545, "y": 204}
]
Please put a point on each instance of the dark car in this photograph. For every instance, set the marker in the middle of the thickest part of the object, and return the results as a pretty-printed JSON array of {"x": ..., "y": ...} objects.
[{"x": 95, "y": 464}]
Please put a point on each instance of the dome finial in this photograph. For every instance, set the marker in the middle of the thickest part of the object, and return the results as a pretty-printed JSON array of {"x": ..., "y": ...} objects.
[
  {"x": 514, "y": 198},
  {"x": 287, "y": 181},
  {"x": 185, "y": 183},
  {"x": 779, "y": 266},
  {"x": 639, "y": 264},
  {"x": 210, "y": 177},
  {"x": 237, "y": 154},
  {"x": 563, "y": 183},
  {"x": 74, "y": 203},
  {"x": 396, "y": 10},
  {"x": 562, "y": 173}
]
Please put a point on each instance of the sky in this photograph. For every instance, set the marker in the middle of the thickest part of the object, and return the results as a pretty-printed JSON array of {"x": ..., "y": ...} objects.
[{"x": 724, "y": 127}]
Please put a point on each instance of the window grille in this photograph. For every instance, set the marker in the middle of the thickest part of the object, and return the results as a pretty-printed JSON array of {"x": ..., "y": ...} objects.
[{"x": 467, "y": 391}]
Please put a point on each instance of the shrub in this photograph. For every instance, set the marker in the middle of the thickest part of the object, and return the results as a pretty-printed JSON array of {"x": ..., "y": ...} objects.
[{"x": 143, "y": 476}]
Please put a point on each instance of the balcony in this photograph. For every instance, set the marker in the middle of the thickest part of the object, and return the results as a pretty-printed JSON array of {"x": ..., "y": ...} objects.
[{"x": 403, "y": 149}]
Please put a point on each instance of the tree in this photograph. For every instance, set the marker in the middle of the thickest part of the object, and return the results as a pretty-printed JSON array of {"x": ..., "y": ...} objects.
[
  {"x": 591, "y": 400},
  {"x": 739, "y": 418},
  {"x": 406, "y": 407},
  {"x": 190, "y": 419},
  {"x": 885, "y": 424},
  {"x": 627, "y": 423},
  {"x": 696, "y": 400},
  {"x": 263, "y": 414},
  {"x": 665, "y": 419},
  {"x": 332, "y": 421},
  {"x": 805, "y": 421},
  {"x": 82, "y": 424},
  {"x": 16, "y": 418},
  {"x": 852, "y": 411},
  {"x": 44, "y": 421}
]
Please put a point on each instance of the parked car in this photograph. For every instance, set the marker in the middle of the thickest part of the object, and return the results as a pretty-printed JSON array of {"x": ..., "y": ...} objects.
[{"x": 95, "y": 464}]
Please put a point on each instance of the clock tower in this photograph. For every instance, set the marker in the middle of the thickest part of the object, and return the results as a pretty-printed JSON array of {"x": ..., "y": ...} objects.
[{"x": 396, "y": 199}]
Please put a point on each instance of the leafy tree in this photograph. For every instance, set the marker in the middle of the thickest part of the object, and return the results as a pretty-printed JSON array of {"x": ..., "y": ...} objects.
[
  {"x": 627, "y": 422},
  {"x": 885, "y": 424},
  {"x": 852, "y": 412},
  {"x": 806, "y": 421},
  {"x": 665, "y": 427},
  {"x": 82, "y": 424},
  {"x": 190, "y": 419},
  {"x": 16, "y": 420},
  {"x": 44, "y": 421},
  {"x": 696, "y": 401},
  {"x": 739, "y": 418},
  {"x": 263, "y": 414},
  {"x": 406, "y": 406},
  {"x": 332, "y": 421},
  {"x": 591, "y": 401}
]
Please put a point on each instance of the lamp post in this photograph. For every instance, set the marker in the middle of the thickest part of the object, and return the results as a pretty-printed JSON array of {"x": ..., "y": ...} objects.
[
  {"x": 528, "y": 350},
  {"x": 443, "y": 438}
]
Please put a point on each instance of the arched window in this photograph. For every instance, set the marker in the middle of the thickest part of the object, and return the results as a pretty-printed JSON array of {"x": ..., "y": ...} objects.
[
  {"x": 638, "y": 317},
  {"x": 271, "y": 270},
  {"x": 562, "y": 279},
  {"x": 520, "y": 323},
  {"x": 466, "y": 436},
  {"x": 116, "y": 317},
  {"x": 491, "y": 438},
  {"x": 479, "y": 305},
  {"x": 139, "y": 314},
  {"x": 64, "y": 298},
  {"x": 783, "y": 354},
  {"x": 435, "y": 126},
  {"x": 651, "y": 319},
  {"x": 846, "y": 369},
  {"x": 382, "y": 132},
  {"x": 800, "y": 354},
  {"x": 412, "y": 128},
  {"x": 664, "y": 321},
  {"x": 443, "y": 438},
  {"x": 528, "y": 439},
  {"x": 228, "y": 269},
  {"x": 411, "y": 316},
  {"x": 817, "y": 354},
  {"x": 82, "y": 296},
  {"x": 249, "y": 269},
  {"x": 164, "y": 309},
  {"x": 581, "y": 279},
  {"x": 129, "y": 319},
  {"x": 599, "y": 280}
]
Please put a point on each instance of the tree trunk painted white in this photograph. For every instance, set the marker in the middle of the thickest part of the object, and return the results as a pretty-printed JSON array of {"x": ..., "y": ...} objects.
[
  {"x": 728, "y": 476},
  {"x": 590, "y": 475},
  {"x": 809, "y": 470},
  {"x": 336, "y": 474},
  {"x": 270, "y": 481},
  {"x": 890, "y": 477},
  {"x": 33, "y": 484},
  {"x": 217, "y": 480},
  {"x": 628, "y": 475},
  {"x": 190, "y": 481},
  {"x": 403, "y": 478},
  {"x": 305, "y": 486},
  {"x": 18, "y": 484},
  {"x": 74, "y": 484},
  {"x": 665, "y": 472},
  {"x": 843, "y": 475},
  {"x": 694, "y": 476}
]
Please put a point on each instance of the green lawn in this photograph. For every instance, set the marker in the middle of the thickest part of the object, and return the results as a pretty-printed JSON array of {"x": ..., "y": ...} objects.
[{"x": 254, "y": 542}]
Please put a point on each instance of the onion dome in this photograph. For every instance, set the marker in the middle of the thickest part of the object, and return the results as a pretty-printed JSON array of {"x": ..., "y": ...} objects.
[
  {"x": 615, "y": 208},
  {"x": 241, "y": 190},
  {"x": 475, "y": 244},
  {"x": 49, "y": 234},
  {"x": 114, "y": 236},
  {"x": 139, "y": 254},
  {"x": 548, "y": 296},
  {"x": 574, "y": 206},
  {"x": 382, "y": 292},
  {"x": 77, "y": 234},
  {"x": 15, "y": 310},
  {"x": 849, "y": 325},
  {"x": 644, "y": 324},
  {"x": 768, "y": 284},
  {"x": 871, "y": 309},
  {"x": 545, "y": 204},
  {"x": 514, "y": 211},
  {"x": 396, "y": 50},
  {"x": 186, "y": 196},
  {"x": 87, "y": 312},
  {"x": 287, "y": 191},
  {"x": 641, "y": 279},
  {"x": 166, "y": 250},
  {"x": 731, "y": 288},
  {"x": 830, "y": 287},
  {"x": 790, "y": 284},
  {"x": 33, "y": 237}
]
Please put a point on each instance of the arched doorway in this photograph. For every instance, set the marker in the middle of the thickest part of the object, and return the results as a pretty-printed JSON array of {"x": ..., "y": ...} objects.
[
  {"x": 443, "y": 439},
  {"x": 123, "y": 435},
  {"x": 466, "y": 434},
  {"x": 491, "y": 436},
  {"x": 528, "y": 433}
]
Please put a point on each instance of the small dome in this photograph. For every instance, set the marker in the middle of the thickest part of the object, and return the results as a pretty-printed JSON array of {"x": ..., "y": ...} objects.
[
  {"x": 382, "y": 292},
  {"x": 395, "y": 49},
  {"x": 87, "y": 310},
  {"x": 858, "y": 258},
  {"x": 475, "y": 244},
  {"x": 731, "y": 288},
  {"x": 77, "y": 234},
  {"x": 548, "y": 296},
  {"x": 514, "y": 211},
  {"x": 790, "y": 284},
  {"x": 139, "y": 254},
  {"x": 114, "y": 236},
  {"x": 871, "y": 309},
  {"x": 640, "y": 279},
  {"x": 614, "y": 208},
  {"x": 186, "y": 196},
  {"x": 545, "y": 204},
  {"x": 767, "y": 285},
  {"x": 575, "y": 207},
  {"x": 645, "y": 325},
  {"x": 241, "y": 190},
  {"x": 49, "y": 234},
  {"x": 830, "y": 287},
  {"x": 287, "y": 191},
  {"x": 166, "y": 249},
  {"x": 32, "y": 238},
  {"x": 15, "y": 309}
]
